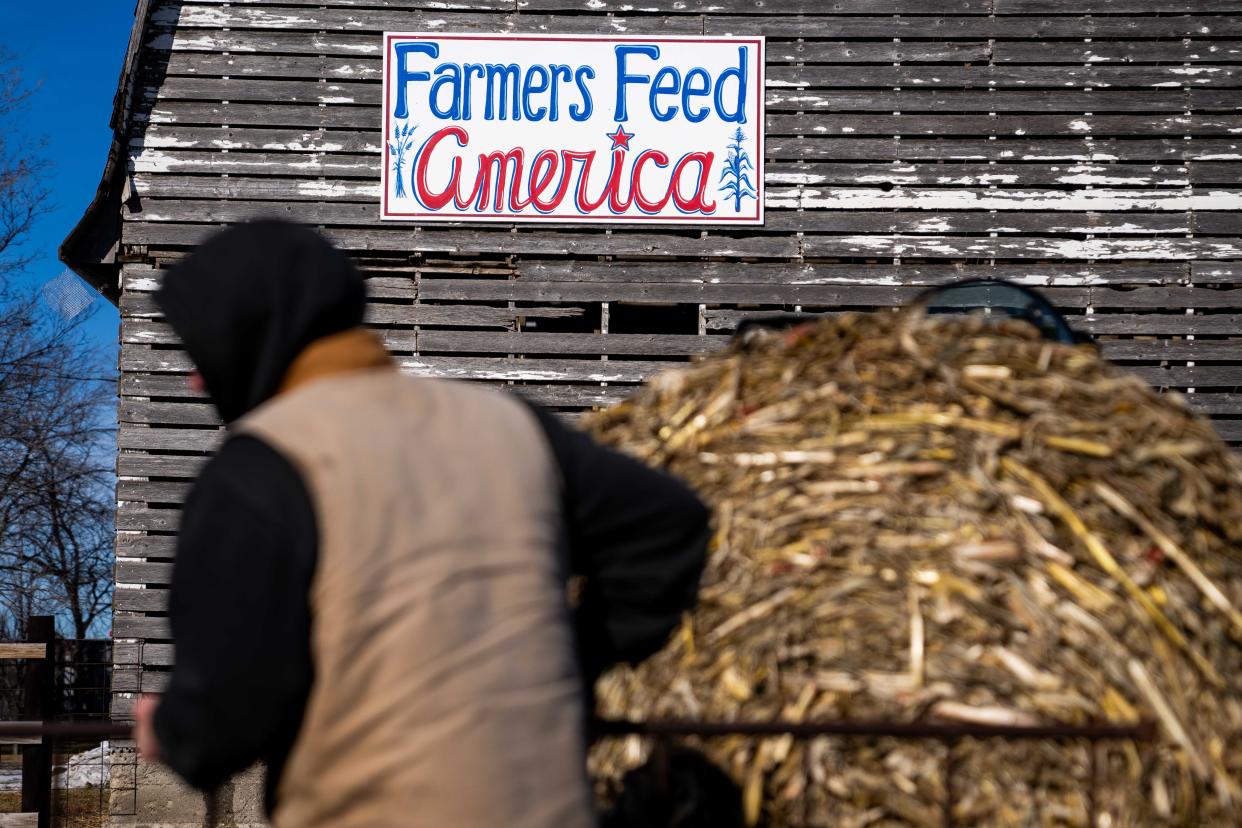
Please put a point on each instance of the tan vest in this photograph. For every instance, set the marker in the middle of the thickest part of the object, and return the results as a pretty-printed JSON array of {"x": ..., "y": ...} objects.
[{"x": 446, "y": 694}]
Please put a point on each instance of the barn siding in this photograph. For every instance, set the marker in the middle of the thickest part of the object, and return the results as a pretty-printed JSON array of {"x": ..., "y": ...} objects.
[{"x": 1090, "y": 147}]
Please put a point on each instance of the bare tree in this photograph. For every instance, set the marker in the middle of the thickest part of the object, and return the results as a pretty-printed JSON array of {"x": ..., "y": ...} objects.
[{"x": 55, "y": 482}]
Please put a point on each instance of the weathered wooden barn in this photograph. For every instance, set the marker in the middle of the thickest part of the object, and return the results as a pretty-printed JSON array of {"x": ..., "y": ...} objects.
[{"x": 1092, "y": 147}]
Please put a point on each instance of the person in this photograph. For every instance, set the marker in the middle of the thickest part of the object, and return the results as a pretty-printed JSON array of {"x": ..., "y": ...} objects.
[{"x": 369, "y": 592}]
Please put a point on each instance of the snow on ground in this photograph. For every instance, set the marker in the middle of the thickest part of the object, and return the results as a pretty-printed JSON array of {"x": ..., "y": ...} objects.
[{"x": 89, "y": 769}]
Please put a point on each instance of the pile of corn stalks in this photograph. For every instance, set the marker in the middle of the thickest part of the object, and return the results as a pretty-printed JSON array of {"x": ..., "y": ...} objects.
[{"x": 947, "y": 518}]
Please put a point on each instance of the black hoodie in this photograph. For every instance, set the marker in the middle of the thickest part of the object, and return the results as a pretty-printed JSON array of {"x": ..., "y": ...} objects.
[
  {"x": 245, "y": 304},
  {"x": 250, "y": 299}
]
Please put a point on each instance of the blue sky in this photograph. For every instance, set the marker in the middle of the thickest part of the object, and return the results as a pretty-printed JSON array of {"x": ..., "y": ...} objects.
[{"x": 73, "y": 71}]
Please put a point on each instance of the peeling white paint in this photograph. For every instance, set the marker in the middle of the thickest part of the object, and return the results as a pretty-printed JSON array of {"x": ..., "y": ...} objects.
[
  {"x": 1095, "y": 179},
  {"x": 1129, "y": 248},
  {"x": 981, "y": 180},
  {"x": 965, "y": 199},
  {"x": 847, "y": 129},
  {"x": 332, "y": 99},
  {"x": 337, "y": 189},
  {"x": 167, "y": 142},
  {"x": 1080, "y": 126}
]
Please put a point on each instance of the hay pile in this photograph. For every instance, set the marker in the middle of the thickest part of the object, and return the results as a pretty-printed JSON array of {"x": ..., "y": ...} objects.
[{"x": 948, "y": 518}]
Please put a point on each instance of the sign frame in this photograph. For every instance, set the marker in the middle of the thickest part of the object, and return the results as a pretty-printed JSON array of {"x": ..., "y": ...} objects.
[{"x": 754, "y": 219}]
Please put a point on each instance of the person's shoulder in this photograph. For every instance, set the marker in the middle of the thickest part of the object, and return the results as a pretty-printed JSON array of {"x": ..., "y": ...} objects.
[{"x": 246, "y": 467}]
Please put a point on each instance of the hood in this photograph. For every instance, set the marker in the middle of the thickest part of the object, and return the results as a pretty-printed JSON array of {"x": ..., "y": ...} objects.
[{"x": 250, "y": 299}]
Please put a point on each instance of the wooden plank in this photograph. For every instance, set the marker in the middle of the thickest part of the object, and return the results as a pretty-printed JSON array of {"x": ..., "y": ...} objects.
[
  {"x": 820, "y": 75},
  {"x": 951, "y": 28},
  {"x": 914, "y": 124},
  {"x": 207, "y": 42},
  {"x": 224, "y": 193},
  {"x": 1111, "y": 78},
  {"x": 473, "y": 316},
  {"x": 163, "y": 413},
  {"x": 1121, "y": 324},
  {"x": 135, "y": 626},
  {"x": 14, "y": 649},
  {"x": 1035, "y": 274},
  {"x": 128, "y": 680},
  {"x": 1115, "y": 6},
  {"x": 139, "y": 600},
  {"x": 1117, "y": 51},
  {"x": 960, "y": 222},
  {"x": 824, "y": 72},
  {"x": 1026, "y": 247},
  {"x": 776, "y": 19},
  {"x": 1199, "y": 350},
  {"x": 141, "y": 464},
  {"x": 775, "y": 173},
  {"x": 505, "y": 369},
  {"x": 498, "y": 241},
  {"x": 149, "y": 546},
  {"x": 158, "y": 655},
  {"x": 152, "y": 491},
  {"x": 141, "y": 572},
  {"x": 132, "y": 518},
  {"x": 819, "y": 295},
  {"x": 122, "y": 704},
  {"x": 29, "y": 820},
  {"x": 1004, "y": 148}
]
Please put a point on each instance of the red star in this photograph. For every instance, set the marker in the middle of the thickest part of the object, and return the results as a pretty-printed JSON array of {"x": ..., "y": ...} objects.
[{"x": 620, "y": 138}]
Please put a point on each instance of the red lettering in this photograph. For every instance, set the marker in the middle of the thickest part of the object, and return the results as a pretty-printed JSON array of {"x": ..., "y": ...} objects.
[
  {"x": 539, "y": 182},
  {"x": 437, "y": 201},
  {"x": 501, "y": 163},
  {"x": 697, "y": 202},
  {"x": 660, "y": 160}
]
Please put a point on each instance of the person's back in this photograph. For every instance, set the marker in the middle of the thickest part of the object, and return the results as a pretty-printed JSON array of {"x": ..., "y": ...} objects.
[
  {"x": 369, "y": 592},
  {"x": 445, "y": 679}
]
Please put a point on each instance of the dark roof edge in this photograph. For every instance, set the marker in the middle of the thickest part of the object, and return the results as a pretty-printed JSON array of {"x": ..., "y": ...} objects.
[{"x": 90, "y": 249}]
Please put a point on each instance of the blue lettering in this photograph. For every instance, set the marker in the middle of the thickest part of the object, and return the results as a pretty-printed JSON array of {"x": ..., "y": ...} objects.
[
  {"x": 506, "y": 74},
  {"x": 624, "y": 78},
  {"x": 405, "y": 76},
  {"x": 694, "y": 90},
  {"x": 558, "y": 70},
  {"x": 659, "y": 87},
  {"x": 738, "y": 115},
  {"x": 447, "y": 75},
  {"x": 468, "y": 70},
  {"x": 533, "y": 87},
  {"x": 583, "y": 112}
]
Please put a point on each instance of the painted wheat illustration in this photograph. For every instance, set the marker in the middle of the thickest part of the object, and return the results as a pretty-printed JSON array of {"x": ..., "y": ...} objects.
[
  {"x": 737, "y": 183},
  {"x": 402, "y": 142}
]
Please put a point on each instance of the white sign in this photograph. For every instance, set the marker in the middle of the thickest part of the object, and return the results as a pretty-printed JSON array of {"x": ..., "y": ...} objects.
[{"x": 573, "y": 129}]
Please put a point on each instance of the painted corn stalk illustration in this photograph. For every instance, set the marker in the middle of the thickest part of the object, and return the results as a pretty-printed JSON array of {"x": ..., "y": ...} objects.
[
  {"x": 401, "y": 143},
  {"x": 737, "y": 183}
]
